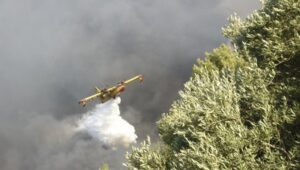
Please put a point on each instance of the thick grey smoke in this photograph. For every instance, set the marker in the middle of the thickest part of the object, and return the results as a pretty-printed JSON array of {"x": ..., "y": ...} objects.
[{"x": 53, "y": 52}]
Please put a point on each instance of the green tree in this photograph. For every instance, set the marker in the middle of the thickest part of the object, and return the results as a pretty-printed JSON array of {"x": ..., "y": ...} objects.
[{"x": 241, "y": 107}]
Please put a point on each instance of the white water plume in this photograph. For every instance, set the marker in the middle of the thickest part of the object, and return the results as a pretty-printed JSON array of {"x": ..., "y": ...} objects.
[{"x": 105, "y": 124}]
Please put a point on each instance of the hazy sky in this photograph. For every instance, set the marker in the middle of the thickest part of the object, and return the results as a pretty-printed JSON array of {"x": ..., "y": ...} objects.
[{"x": 53, "y": 52}]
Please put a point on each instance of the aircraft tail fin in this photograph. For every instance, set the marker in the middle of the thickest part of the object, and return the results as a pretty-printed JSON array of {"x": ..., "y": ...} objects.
[{"x": 97, "y": 90}]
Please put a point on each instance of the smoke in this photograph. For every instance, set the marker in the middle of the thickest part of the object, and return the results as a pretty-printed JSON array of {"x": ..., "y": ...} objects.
[
  {"x": 42, "y": 142},
  {"x": 105, "y": 124},
  {"x": 53, "y": 52}
]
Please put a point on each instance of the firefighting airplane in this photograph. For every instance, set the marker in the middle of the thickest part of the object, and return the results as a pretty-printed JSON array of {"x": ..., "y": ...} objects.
[{"x": 105, "y": 94}]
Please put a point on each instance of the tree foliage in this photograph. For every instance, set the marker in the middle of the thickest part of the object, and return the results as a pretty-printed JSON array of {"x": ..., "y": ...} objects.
[{"x": 241, "y": 107}]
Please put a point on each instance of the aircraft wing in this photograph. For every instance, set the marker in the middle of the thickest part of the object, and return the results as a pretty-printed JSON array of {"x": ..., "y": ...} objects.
[
  {"x": 139, "y": 77},
  {"x": 87, "y": 99}
]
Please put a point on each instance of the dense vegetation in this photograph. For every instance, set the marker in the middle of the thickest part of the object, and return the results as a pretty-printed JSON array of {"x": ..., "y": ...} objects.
[{"x": 241, "y": 107}]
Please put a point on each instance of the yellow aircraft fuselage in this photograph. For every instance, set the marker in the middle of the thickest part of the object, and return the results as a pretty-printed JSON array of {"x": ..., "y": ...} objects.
[{"x": 106, "y": 94}]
